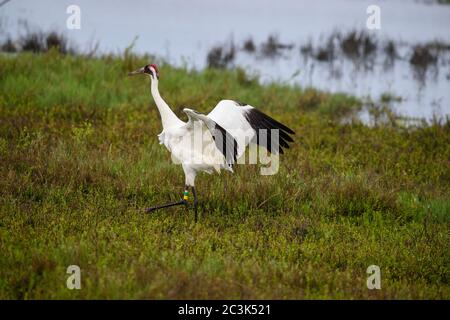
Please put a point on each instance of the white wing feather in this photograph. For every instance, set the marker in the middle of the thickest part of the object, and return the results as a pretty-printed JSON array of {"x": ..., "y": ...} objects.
[
  {"x": 231, "y": 116},
  {"x": 249, "y": 125}
]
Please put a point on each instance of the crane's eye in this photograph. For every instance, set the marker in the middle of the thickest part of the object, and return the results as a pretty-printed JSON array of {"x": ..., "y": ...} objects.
[{"x": 148, "y": 71}]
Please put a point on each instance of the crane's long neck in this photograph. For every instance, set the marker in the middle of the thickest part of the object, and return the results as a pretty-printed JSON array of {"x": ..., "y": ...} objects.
[{"x": 168, "y": 117}]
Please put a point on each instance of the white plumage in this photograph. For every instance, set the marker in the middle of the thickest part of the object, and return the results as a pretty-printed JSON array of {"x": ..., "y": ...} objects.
[{"x": 214, "y": 141}]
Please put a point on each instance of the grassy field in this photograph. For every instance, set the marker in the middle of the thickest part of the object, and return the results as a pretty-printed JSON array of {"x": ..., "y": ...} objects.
[{"x": 79, "y": 155}]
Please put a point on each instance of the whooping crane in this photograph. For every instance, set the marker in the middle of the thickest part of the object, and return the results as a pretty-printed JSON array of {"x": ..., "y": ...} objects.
[{"x": 228, "y": 129}]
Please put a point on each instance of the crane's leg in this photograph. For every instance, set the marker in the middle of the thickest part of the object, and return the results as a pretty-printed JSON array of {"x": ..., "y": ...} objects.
[
  {"x": 183, "y": 201},
  {"x": 194, "y": 193}
]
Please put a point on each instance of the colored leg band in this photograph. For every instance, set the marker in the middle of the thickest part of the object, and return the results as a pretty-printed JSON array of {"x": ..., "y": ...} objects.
[{"x": 185, "y": 195}]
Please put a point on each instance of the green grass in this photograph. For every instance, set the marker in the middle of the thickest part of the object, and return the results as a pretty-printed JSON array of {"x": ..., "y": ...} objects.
[{"x": 79, "y": 155}]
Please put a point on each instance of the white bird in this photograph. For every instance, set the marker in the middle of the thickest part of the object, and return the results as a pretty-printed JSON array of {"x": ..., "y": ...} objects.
[{"x": 215, "y": 141}]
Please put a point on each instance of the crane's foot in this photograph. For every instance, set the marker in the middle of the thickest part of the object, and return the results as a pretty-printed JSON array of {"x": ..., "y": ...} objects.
[
  {"x": 183, "y": 201},
  {"x": 167, "y": 205}
]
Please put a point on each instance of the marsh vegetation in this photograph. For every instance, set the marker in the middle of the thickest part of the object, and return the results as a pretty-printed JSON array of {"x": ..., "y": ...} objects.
[{"x": 79, "y": 156}]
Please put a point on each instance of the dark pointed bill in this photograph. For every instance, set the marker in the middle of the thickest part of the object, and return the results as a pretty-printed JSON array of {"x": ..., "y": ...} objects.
[{"x": 135, "y": 72}]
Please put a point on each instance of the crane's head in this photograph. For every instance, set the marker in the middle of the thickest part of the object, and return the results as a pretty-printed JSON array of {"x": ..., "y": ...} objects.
[{"x": 150, "y": 69}]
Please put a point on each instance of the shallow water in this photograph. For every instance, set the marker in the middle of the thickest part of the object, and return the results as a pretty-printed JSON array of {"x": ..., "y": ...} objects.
[{"x": 184, "y": 31}]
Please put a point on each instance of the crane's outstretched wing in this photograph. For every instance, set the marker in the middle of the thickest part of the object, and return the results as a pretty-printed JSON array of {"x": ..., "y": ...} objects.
[
  {"x": 242, "y": 119},
  {"x": 223, "y": 140}
]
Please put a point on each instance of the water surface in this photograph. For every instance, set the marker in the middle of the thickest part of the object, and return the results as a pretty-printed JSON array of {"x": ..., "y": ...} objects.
[{"x": 184, "y": 31}]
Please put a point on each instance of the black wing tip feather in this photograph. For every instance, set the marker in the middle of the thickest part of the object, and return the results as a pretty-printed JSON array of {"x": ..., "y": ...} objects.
[
  {"x": 222, "y": 137},
  {"x": 259, "y": 120},
  {"x": 276, "y": 124}
]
